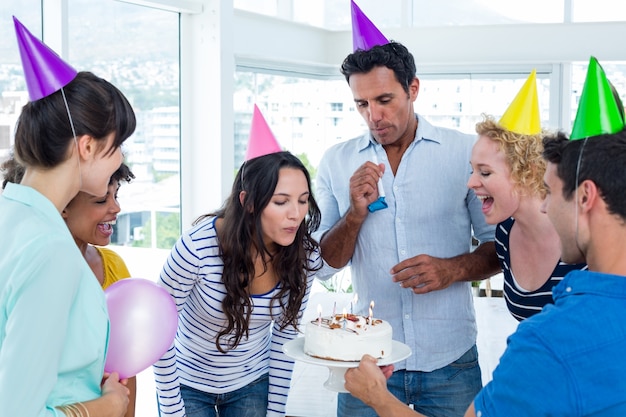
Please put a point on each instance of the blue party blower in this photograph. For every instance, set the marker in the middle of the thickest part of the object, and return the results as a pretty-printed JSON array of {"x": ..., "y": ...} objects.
[{"x": 380, "y": 203}]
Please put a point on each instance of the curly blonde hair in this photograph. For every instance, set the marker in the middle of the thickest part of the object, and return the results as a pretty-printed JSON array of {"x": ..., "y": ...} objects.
[{"x": 523, "y": 155}]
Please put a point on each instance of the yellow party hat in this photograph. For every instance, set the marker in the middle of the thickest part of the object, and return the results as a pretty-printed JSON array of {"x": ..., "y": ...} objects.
[{"x": 522, "y": 116}]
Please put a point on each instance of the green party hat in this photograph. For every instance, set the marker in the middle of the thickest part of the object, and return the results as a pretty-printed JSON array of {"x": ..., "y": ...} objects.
[{"x": 598, "y": 112}]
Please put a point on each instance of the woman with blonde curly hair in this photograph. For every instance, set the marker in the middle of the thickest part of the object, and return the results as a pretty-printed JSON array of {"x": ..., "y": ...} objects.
[{"x": 507, "y": 176}]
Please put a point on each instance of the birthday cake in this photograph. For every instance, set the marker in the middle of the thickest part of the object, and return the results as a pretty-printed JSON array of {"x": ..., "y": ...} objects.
[{"x": 347, "y": 338}]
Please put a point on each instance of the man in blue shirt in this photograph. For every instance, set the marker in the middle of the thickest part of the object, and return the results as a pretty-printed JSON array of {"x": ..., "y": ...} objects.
[
  {"x": 570, "y": 359},
  {"x": 413, "y": 257}
]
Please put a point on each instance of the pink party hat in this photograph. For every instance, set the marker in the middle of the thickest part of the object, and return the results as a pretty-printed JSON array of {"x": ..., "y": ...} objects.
[
  {"x": 364, "y": 34},
  {"x": 44, "y": 70},
  {"x": 262, "y": 140}
]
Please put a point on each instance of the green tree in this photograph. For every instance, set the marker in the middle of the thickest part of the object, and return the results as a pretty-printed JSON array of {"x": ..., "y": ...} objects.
[
  {"x": 312, "y": 170},
  {"x": 168, "y": 231}
]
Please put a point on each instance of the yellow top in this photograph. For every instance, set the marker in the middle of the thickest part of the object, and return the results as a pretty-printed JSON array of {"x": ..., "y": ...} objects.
[{"x": 114, "y": 267}]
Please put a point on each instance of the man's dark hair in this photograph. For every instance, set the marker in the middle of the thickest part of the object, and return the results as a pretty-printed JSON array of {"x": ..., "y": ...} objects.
[
  {"x": 602, "y": 160},
  {"x": 393, "y": 55}
]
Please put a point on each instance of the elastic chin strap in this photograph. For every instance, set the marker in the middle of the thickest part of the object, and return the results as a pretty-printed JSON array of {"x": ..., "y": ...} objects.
[
  {"x": 578, "y": 164},
  {"x": 243, "y": 173},
  {"x": 69, "y": 115}
]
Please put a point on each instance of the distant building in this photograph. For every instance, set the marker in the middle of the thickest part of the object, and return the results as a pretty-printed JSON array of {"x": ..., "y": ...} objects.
[{"x": 11, "y": 103}]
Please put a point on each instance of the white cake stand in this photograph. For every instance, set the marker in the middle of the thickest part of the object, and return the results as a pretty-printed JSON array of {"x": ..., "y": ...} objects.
[{"x": 295, "y": 349}]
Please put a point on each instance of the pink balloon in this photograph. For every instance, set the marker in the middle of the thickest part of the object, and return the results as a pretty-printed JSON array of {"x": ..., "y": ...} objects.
[{"x": 143, "y": 320}]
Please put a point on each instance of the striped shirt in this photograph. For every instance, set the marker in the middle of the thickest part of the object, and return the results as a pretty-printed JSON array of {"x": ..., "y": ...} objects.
[
  {"x": 521, "y": 303},
  {"x": 193, "y": 275}
]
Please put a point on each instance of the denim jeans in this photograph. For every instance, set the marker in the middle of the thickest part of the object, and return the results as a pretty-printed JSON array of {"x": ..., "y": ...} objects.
[
  {"x": 445, "y": 392},
  {"x": 248, "y": 401}
]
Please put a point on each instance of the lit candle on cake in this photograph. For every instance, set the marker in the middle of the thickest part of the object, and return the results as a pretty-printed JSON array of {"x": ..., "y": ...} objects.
[
  {"x": 334, "y": 308},
  {"x": 371, "y": 318},
  {"x": 319, "y": 314},
  {"x": 344, "y": 317}
]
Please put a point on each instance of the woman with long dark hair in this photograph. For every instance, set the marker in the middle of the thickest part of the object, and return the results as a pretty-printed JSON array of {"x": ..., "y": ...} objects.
[{"x": 241, "y": 279}]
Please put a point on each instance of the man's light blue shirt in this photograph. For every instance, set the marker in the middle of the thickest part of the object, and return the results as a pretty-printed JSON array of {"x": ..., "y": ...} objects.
[
  {"x": 53, "y": 316},
  {"x": 431, "y": 211}
]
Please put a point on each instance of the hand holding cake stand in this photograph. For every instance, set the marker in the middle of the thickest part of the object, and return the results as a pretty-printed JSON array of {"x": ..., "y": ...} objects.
[{"x": 335, "y": 382}]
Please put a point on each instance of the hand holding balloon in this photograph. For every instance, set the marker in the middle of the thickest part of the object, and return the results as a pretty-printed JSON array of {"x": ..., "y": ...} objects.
[{"x": 143, "y": 319}]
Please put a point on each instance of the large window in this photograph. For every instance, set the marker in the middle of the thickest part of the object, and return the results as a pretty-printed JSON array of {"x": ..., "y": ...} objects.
[
  {"x": 331, "y": 14},
  {"x": 598, "y": 10},
  {"x": 13, "y": 94},
  {"x": 334, "y": 15},
  {"x": 308, "y": 116},
  {"x": 485, "y": 12},
  {"x": 459, "y": 102},
  {"x": 137, "y": 49}
]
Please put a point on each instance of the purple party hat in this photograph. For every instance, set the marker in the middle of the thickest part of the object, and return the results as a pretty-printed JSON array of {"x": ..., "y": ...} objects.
[
  {"x": 44, "y": 70},
  {"x": 364, "y": 34}
]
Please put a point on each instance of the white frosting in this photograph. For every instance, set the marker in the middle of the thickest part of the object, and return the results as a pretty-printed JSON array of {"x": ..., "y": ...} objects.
[{"x": 330, "y": 339}]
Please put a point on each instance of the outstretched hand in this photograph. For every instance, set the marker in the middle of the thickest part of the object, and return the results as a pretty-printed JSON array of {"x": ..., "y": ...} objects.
[{"x": 368, "y": 382}]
